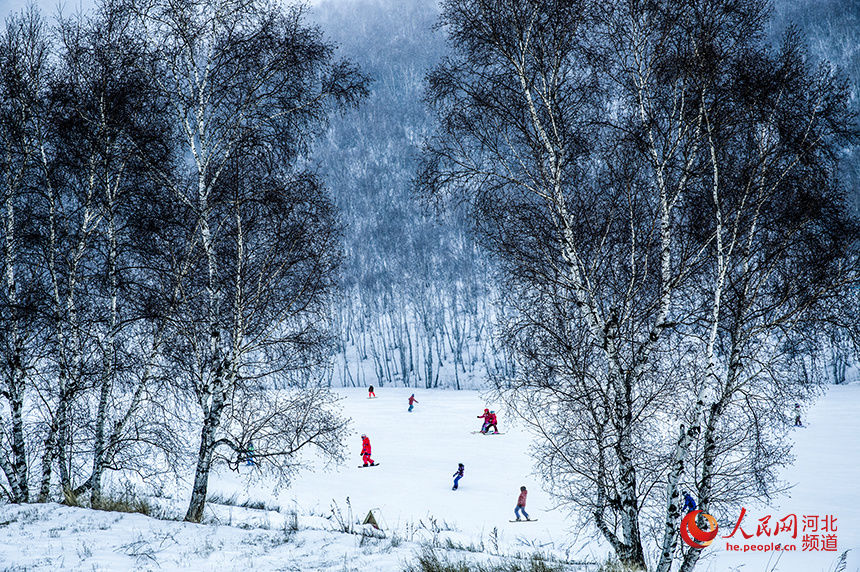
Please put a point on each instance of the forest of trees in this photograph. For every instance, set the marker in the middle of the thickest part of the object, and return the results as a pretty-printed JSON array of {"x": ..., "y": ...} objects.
[
  {"x": 416, "y": 306},
  {"x": 419, "y": 299},
  {"x": 660, "y": 189},
  {"x": 642, "y": 217},
  {"x": 168, "y": 256}
]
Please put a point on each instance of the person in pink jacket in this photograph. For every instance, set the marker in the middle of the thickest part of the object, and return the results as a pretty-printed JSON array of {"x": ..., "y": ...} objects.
[
  {"x": 492, "y": 422},
  {"x": 521, "y": 504},
  {"x": 486, "y": 418}
]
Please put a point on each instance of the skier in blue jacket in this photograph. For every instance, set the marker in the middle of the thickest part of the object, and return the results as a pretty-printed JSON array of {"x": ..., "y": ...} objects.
[
  {"x": 457, "y": 476},
  {"x": 689, "y": 502}
]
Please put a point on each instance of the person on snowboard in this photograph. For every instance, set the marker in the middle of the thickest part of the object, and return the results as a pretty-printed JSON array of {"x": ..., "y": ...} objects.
[
  {"x": 797, "y": 422},
  {"x": 491, "y": 422},
  {"x": 365, "y": 451},
  {"x": 689, "y": 502},
  {"x": 521, "y": 504},
  {"x": 486, "y": 418},
  {"x": 370, "y": 392},
  {"x": 458, "y": 474},
  {"x": 412, "y": 400}
]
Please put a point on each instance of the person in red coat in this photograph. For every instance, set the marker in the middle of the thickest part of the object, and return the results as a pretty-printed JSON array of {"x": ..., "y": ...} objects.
[
  {"x": 365, "y": 451},
  {"x": 412, "y": 402},
  {"x": 491, "y": 422},
  {"x": 521, "y": 504},
  {"x": 486, "y": 418}
]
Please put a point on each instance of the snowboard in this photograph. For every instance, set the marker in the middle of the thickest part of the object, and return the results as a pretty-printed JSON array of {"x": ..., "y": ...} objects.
[
  {"x": 366, "y": 466},
  {"x": 487, "y": 433},
  {"x": 524, "y": 520}
]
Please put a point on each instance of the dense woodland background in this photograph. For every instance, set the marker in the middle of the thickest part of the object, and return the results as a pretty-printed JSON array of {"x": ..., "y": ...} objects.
[{"x": 417, "y": 303}]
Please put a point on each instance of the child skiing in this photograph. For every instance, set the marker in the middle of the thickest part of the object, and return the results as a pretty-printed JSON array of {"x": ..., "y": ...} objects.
[
  {"x": 412, "y": 400},
  {"x": 489, "y": 418},
  {"x": 365, "y": 451},
  {"x": 521, "y": 504},
  {"x": 797, "y": 422},
  {"x": 457, "y": 476},
  {"x": 486, "y": 418},
  {"x": 491, "y": 422},
  {"x": 689, "y": 503},
  {"x": 370, "y": 393}
]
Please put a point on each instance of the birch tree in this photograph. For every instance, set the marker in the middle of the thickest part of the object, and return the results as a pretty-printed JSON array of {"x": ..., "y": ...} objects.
[
  {"x": 248, "y": 86},
  {"x": 783, "y": 260},
  {"x": 585, "y": 138},
  {"x": 78, "y": 123},
  {"x": 518, "y": 107},
  {"x": 23, "y": 82},
  {"x": 112, "y": 129}
]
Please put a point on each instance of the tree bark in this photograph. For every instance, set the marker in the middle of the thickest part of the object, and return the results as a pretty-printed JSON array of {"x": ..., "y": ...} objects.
[
  {"x": 110, "y": 364},
  {"x": 17, "y": 474},
  {"x": 19, "y": 451},
  {"x": 204, "y": 465},
  {"x": 48, "y": 463}
]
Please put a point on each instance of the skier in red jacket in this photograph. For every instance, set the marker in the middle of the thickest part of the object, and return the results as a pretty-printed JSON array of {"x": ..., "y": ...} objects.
[
  {"x": 486, "y": 418},
  {"x": 491, "y": 422},
  {"x": 365, "y": 451},
  {"x": 412, "y": 402}
]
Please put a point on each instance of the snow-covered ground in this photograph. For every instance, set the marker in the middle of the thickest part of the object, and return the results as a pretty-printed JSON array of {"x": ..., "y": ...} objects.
[{"x": 410, "y": 493}]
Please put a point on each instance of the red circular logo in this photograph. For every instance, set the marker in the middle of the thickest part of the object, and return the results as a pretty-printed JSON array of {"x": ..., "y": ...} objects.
[{"x": 695, "y": 536}]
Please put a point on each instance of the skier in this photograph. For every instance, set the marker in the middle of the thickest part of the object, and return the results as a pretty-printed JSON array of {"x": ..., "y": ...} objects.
[
  {"x": 521, "y": 504},
  {"x": 797, "y": 422},
  {"x": 458, "y": 474},
  {"x": 412, "y": 400},
  {"x": 370, "y": 393},
  {"x": 486, "y": 418},
  {"x": 689, "y": 503},
  {"x": 249, "y": 459},
  {"x": 491, "y": 422},
  {"x": 365, "y": 451}
]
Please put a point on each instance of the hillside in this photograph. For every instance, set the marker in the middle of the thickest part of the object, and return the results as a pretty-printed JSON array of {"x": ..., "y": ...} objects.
[{"x": 411, "y": 495}]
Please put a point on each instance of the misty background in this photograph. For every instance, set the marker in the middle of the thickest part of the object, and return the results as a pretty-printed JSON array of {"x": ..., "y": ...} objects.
[{"x": 416, "y": 304}]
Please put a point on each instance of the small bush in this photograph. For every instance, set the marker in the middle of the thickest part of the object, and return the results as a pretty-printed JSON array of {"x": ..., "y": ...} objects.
[
  {"x": 291, "y": 523},
  {"x": 429, "y": 561},
  {"x": 258, "y": 505},
  {"x": 344, "y": 522},
  {"x": 471, "y": 547},
  {"x": 218, "y": 498},
  {"x": 612, "y": 564},
  {"x": 233, "y": 500},
  {"x": 126, "y": 502},
  {"x": 70, "y": 498}
]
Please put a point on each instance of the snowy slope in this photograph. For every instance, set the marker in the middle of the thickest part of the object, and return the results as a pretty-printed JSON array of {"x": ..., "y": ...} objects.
[
  {"x": 54, "y": 537},
  {"x": 411, "y": 490},
  {"x": 418, "y": 453}
]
